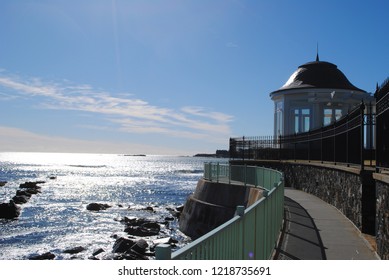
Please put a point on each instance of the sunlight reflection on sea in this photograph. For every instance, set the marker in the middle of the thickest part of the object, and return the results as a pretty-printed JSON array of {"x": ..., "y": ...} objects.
[{"x": 57, "y": 219}]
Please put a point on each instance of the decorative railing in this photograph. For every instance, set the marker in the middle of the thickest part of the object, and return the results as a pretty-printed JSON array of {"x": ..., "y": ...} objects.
[
  {"x": 265, "y": 178},
  {"x": 252, "y": 233},
  {"x": 349, "y": 140},
  {"x": 382, "y": 126}
]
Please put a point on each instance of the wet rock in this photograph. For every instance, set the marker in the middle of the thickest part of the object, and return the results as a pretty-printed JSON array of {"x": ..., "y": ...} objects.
[
  {"x": 20, "y": 199},
  {"x": 31, "y": 185},
  {"x": 129, "y": 256},
  {"x": 169, "y": 218},
  {"x": 138, "y": 231},
  {"x": 152, "y": 225},
  {"x": 53, "y": 177},
  {"x": 135, "y": 256},
  {"x": 140, "y": 246},
  {"x": 33, "y": 190},
  {"x": 3, "y": 183},
  {"x": 23, "y": 192},
  {"x": 175, "y": 212},
  {"x": 74, "y": 250},
  {"x": 9, "y": 210},
  {"x": 45, "y": 256},
  {"x": 97, "y": 206},
  {"x": 145, "y": 229},
  {"x": 134, "y": 221},
  {"x": 122, "y": 245},
  {"x": 165, "y": 240},
  {"x": 149, "y": 208},
  {"x": 97, "y": 252}
]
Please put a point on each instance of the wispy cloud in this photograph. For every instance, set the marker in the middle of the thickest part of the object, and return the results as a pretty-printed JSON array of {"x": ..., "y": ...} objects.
[{"x": 128, "y": 114}]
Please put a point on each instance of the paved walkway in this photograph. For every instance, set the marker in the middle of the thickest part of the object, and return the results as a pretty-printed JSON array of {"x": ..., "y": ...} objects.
[{"x": 315, "y": 230}]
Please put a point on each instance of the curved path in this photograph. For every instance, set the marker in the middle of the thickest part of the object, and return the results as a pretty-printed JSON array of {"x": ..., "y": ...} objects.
[{"x": 315, "y": 230}]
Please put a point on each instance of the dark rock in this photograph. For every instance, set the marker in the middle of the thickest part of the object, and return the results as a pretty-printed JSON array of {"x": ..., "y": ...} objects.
[
  {"x": 151, "y": 226},
  {"x": 129, "y": 256},
  {"x": 23, "y": 192},
  {"x": 33, "y": 190},
  {"x": 174, "y": 212},
  {"x": 169, "y": 218},
  {"x": 3, "y": 183},
  {"x": 134, "y": 221},
  {"x": 20, "y": 199},
  {"x": 9, "y": 210},
  {"x": 166, "y": 240},
  {"x": 45, "y": 256},
  {"x": 140, "y": 246},
  {"x": 98, "y": 251},
  {"x": 180, "y": 208},
  {"x": 31, "y": 185},
  {"x": 135, "y": 256},
  {"x": 141, "y": 231},
  {"x": 53, "y": 177},
  {"x": 97, "y": 206},
  {"x": 74, "y": 250},
  {"x": 122, "y": 245},
  {"x": 149, "y": 208}
]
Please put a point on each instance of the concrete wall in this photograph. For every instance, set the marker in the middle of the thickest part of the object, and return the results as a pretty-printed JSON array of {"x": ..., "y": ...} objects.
[{"x": 212, "y": 204}]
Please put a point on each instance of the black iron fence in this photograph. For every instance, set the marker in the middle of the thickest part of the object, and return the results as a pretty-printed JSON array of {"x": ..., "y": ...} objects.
[
  {"x": 348, "y": 140},
  {"x": 382, "y": 125}
]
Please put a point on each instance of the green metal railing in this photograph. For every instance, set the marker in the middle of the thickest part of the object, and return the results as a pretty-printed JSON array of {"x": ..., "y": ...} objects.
[
  {"x": 242, "y": 174},
  {"x": 252, "y": 233}
]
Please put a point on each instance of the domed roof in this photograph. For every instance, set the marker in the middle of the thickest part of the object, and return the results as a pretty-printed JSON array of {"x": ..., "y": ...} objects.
[{"x": 318, "y": 74}]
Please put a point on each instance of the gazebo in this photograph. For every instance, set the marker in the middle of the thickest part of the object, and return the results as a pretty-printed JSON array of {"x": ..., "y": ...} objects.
[{"x": 315, "y": 95}]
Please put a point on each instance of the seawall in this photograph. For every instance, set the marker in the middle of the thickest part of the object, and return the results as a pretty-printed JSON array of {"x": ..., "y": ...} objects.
[{"x": 212, "y": 204}]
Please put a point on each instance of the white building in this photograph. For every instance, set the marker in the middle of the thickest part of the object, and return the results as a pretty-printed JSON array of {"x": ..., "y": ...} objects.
[{"x": 315, "y": 95}]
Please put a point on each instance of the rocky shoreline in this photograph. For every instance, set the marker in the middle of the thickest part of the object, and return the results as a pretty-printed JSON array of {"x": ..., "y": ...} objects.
[
  {"x": 11, "y": 210},
  {"x": 138, "y": 240}
]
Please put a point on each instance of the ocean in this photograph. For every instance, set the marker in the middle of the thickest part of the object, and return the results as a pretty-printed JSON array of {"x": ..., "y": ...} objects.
[{"x": 56, "y": 219}]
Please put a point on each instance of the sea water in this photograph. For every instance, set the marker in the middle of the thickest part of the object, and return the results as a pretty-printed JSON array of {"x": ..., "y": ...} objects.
[{"x": 57, "y": 219}]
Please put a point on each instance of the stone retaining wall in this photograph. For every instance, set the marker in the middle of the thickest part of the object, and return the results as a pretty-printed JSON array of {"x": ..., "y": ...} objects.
[
  {"x": 336, "y": 187},
  {"x": 339, "y": 186},
  {"x": 382, "y": 236}
]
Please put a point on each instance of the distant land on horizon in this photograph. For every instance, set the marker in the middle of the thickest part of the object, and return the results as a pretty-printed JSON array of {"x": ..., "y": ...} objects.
[{"x": 218, "y": 154}]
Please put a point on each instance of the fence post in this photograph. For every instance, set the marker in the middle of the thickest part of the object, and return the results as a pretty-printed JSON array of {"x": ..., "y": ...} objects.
[
  {"x": 334, "y": 136},
  {"x": 245, "y": 174},
  {"x": 229, "y": 173},
  {"x": 163, "y": 252},
  {"x": 217, "y": 172},
  {"x": 240, "y": 210},
  {"x": 362, "y": 135}
]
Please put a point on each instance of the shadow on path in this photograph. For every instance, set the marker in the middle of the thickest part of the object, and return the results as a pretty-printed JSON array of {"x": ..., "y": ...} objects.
[{"x": 300, "y": 238}]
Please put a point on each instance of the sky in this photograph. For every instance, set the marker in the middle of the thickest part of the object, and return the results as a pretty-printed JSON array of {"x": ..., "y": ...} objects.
[{"x": 168, "y": 76}]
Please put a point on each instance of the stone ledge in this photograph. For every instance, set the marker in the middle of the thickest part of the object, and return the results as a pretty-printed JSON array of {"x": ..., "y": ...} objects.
[{"x": 381, "y": 177}]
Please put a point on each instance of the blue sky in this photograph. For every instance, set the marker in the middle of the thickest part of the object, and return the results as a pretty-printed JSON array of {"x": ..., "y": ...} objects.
[{"x": 168, "y": 77}]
